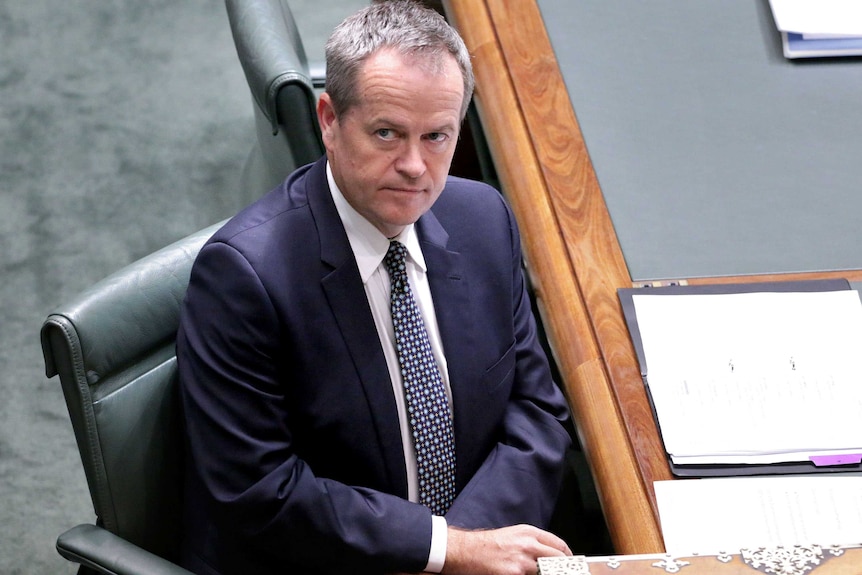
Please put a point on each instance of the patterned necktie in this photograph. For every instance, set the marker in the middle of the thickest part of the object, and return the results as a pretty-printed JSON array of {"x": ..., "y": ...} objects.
[{"x": 427, "y": 405}]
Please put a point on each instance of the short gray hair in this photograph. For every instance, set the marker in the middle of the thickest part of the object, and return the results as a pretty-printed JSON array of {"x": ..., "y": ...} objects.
[{"x": 404, "y": 25}]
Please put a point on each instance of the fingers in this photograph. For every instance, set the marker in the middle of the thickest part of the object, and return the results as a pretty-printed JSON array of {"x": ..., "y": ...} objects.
[
  {"x": 509, "y": 550},
  {"x": 550, "y": 540}
]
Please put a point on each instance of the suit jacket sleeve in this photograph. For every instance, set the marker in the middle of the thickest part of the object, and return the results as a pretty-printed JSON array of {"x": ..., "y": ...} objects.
[{"x": 262, "y": 498}]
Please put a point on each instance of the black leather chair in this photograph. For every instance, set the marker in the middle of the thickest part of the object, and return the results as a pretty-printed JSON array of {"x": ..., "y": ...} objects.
[
  {"x": 282, "y": 86},
  {"x": 113, "y": 348}
]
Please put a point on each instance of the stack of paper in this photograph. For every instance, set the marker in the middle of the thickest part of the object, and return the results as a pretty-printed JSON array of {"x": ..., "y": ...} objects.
[
  {"x": 755, "y": 378},
  {"x": 727, "y": 514},
  {"x": 818, "y": 28}
]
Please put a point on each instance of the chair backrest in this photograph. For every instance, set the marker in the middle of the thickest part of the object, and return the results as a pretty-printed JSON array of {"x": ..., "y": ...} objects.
[
  {"x": 113, "y": 348},
  {"x": 273, "y": 58}
]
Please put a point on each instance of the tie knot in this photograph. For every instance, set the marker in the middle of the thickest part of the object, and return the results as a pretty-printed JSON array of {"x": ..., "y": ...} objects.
[{"x": 395, "y": 261}]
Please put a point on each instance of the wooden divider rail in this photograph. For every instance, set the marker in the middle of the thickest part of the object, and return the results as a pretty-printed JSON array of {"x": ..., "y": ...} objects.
[{"x": 574, "y": 256}]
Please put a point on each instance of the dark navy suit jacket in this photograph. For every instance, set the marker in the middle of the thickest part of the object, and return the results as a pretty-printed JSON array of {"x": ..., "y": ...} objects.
[{"x": 295, "y": 462}]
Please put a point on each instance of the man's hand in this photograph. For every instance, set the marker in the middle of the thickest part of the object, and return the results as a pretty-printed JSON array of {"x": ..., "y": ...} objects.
[{"x": 506, "y": 551}]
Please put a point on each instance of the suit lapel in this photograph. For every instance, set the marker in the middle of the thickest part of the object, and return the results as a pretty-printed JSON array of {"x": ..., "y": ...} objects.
[
  {"x": 450, "y": 290},
  {"x": 343, "y": 288}
]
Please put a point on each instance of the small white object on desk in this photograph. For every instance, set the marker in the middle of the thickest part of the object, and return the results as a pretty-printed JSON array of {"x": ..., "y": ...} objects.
[
  {"x": 819, "y": 28},
  {"x": 723, "y": 514}
]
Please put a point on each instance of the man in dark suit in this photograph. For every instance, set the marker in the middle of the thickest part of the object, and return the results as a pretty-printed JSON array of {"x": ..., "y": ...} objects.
[{"x": 303, "y": 449}]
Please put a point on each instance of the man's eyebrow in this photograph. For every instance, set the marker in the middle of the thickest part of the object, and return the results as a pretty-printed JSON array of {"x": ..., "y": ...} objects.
[
  {"x": 400, "y": 126},
  {"x": 386, "y": 122},
  {"x": 448, "y": 127}
]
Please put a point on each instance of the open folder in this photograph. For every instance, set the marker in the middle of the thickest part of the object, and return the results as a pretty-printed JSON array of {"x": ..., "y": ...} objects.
[{"x": 752, "y": 378}]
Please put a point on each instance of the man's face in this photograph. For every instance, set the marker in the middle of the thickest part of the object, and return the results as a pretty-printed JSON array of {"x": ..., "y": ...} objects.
[{"x": 390, "y": 154}]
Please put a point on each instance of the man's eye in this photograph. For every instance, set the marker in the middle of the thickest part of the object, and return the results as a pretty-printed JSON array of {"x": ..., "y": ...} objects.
[
  {"x": 437, "y": 136},
  {"x": 385, "y": 133}
]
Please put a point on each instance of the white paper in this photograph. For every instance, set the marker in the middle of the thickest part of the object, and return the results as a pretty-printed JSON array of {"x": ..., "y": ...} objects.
[
  {"x": 754, "y": 377},
  {"x": 733, "y": 513},
  {"x": 818, "y": 17}
]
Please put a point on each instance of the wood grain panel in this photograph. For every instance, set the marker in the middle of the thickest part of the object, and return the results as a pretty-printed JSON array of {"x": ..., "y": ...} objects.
[
  {"x": 574, "y": 257},
  {"x": 584, "y": 220},
  {"x": 544, "y": 171}
]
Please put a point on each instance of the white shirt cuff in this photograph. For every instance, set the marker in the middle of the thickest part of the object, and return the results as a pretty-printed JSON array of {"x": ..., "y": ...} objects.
[{"x": 437, "y": 554}]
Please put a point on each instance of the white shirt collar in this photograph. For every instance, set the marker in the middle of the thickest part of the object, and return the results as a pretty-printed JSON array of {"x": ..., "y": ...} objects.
[{"x": 369, "y": 245}]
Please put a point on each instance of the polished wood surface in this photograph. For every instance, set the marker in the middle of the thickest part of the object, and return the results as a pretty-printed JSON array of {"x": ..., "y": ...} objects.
[
  {"x": 573, "y": 255},
  {"x": 791, "y": 560}
]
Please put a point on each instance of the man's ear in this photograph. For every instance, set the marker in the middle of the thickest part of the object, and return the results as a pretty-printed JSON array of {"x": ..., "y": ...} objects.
[{"x": 325, "y": 116}]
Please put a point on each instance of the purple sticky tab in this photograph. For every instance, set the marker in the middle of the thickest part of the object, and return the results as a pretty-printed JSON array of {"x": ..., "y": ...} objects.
[{"x": 847, "y": 459}]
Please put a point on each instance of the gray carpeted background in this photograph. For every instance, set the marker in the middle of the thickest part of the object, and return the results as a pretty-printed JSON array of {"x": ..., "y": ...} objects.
[{"x": 124, "y": 125}]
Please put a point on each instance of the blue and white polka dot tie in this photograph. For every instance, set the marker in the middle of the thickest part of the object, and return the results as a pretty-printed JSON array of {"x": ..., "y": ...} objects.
[{"x": 427, "y": 405}]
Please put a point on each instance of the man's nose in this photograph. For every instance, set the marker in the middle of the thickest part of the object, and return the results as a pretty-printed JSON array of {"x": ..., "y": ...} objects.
[{"x": 410, "y": 162}]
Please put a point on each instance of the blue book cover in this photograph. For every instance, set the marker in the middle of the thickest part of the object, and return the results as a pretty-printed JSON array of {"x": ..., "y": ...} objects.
[{"x": 798, "y": 46}]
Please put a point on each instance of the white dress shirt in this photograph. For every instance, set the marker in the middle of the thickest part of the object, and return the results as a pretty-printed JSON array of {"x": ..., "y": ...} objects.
[{"x": 369, "y": 247}]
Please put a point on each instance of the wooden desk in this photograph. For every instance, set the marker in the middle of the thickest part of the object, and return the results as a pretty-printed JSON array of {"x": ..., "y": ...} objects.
[
  {"x": 798, "y": 560},
  {"x": 574, "y": 256}
]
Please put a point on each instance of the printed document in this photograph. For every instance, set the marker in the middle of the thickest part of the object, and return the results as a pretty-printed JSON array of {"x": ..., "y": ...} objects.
[
  {"x": 755, "y": 378},
  {"x": 732, "y": 513}
]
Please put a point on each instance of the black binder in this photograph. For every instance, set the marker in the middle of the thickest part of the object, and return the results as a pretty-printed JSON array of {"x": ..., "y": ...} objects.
[{"x": 720, "y": 470}]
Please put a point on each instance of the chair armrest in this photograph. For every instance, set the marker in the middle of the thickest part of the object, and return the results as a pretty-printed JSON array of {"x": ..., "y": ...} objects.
[{"x": 104, "y": 552}]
